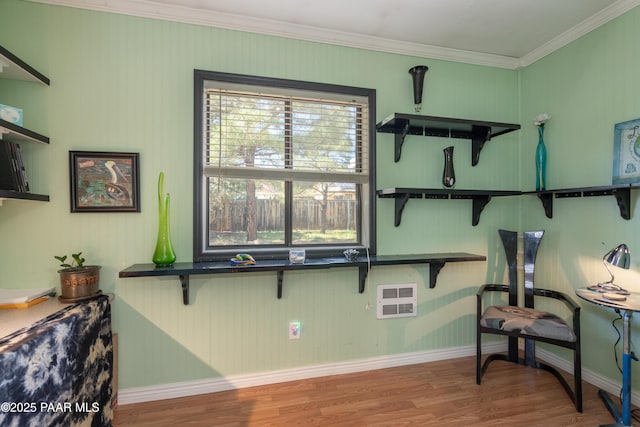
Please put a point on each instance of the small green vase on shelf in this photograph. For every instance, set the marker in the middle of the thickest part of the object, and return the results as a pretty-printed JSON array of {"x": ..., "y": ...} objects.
[{"x": 164, "y": 254}]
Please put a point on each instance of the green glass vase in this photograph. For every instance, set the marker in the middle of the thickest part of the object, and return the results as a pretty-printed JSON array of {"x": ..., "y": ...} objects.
[
  {"x": 164, "y": 254},
  {"x": 541, "y": 161}
]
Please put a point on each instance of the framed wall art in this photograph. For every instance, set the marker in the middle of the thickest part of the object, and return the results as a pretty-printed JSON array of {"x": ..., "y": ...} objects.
[
  {"x": 104, "y": 181},
  {"x": 626, "y": 152}
]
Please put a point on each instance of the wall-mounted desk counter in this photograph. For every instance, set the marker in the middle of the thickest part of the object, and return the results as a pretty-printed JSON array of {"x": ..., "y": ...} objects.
[{"x": 186, "y": 269}]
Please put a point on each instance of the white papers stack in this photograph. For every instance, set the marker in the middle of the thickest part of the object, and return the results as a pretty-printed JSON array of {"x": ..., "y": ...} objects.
[{"x": 18, "y": 296}]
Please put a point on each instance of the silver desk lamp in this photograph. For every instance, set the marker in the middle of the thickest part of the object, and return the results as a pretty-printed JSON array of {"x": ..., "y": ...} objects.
[{"x": 617, "y": 257}]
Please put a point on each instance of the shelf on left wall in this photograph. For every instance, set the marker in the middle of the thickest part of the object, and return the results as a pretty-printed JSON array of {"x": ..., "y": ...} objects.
[{"x": 13, "y": 68}]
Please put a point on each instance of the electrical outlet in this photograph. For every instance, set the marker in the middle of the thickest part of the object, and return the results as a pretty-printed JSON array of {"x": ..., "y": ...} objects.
[{"x": 295, "y": 330}]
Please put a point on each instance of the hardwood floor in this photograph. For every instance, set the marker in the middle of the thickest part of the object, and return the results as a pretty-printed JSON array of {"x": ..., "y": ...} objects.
[{"x": 440, "y": 393}]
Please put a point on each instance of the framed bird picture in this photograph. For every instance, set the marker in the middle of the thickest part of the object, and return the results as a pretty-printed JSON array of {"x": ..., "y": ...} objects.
[{"x": 104, "y": 181}]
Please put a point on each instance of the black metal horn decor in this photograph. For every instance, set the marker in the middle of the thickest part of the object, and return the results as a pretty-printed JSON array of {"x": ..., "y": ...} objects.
[{"x": 417, "y": 73}]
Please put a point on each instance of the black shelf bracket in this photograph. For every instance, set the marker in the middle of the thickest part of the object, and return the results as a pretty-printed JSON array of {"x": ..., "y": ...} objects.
[
  {"x": 547, "y": 203},
  {"x": 400, "y": 203},
  {"x": 479, "y": 202},
  {"x": 479, "y": 135},
  {"x": 362, "y": 278},
  {"x": 363, "y": 271},
  {"x": 184, "y": 282},
  {"x": 623, "y": 198},
  {"x": 403, "y": 130},
  {"x": 280, "y": 278},
  {"x": 434, "y": 270}
]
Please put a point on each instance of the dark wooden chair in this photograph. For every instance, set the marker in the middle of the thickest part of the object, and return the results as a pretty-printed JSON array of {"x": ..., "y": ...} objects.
[{"x": 526, "y": 322}]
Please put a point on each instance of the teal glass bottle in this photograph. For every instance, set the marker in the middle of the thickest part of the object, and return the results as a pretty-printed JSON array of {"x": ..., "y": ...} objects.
[
  {"x": 164, "y": 254},
  {"x": 541, "y": 161}
]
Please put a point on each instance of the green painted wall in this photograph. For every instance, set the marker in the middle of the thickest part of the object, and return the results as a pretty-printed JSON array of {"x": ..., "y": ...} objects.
[
  {"x": 587, "y": 87},
  {"x": 123, "y": 83}
]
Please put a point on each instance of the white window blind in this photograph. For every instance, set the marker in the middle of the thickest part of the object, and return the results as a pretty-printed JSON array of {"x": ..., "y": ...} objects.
[{"x": 284, "y": 137}]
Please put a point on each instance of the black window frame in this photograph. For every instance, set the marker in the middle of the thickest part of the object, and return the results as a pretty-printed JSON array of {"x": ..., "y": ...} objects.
[{"x": 201, "y": 251}]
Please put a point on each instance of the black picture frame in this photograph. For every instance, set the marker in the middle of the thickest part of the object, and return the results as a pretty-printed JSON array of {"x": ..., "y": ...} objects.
[{"x": 104, "y": 181}]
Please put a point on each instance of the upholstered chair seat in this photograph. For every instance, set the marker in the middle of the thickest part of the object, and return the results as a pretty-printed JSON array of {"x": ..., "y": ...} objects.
[{"x": 527, "y": 321}]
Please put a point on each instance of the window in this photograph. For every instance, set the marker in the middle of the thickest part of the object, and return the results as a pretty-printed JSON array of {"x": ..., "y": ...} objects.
[{"x": 281, "y": 164}]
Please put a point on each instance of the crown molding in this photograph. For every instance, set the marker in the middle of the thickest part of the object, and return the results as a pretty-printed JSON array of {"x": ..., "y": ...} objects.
[
  {"x": 182, "y": 14},
  {"x": 605, "y": 15},
  {"x": 149, "y": 9}
]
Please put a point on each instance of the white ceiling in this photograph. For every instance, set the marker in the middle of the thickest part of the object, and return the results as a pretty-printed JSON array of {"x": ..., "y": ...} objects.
[{"x": 503, "y": 33}]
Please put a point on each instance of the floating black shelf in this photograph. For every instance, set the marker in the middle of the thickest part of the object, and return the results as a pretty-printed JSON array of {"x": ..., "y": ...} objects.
[
  {"x": 17, "y": 69},
  {"x": 8, "y": 194},
  {"x": 477, "y": 131},
  {"x": 15, "y": 133},
  {"x": 184, "y": 270},
  {"x": 480, "y": 198},
  {"x": 622, "y": 193}
]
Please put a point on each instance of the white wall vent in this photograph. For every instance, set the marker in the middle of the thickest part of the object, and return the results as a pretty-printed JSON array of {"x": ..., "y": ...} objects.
[{"x": 399, "y": 300}]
